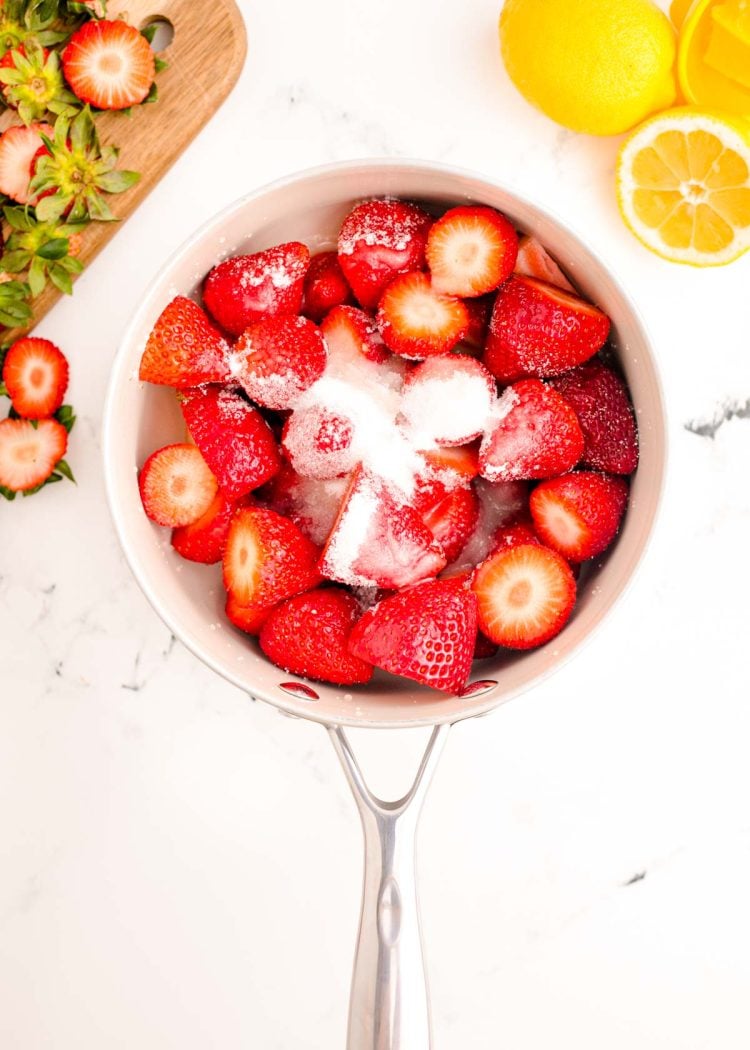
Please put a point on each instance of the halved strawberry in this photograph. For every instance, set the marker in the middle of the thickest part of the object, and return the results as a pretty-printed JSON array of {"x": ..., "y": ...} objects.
[
  {"x": 248, "y": 618},
  {"x": 500, "y": 503},
  {"x": 29, "y": 452},
  {"x": 600, "y": 400},
  {"x": 176, "y": 485},
  {"x": 525, "y": 595},
  {"x": 18, "y": 147},
  {"x": 267, "y": 558},
  {"x": 447, "y": 399},
  {"x": 539, "y": 330},
  {"x": 279, "y": 358},
  {"x": 318, "y": 442},
  {"x": 534, "y": 261},
  {"x": 453, "y": 464},
  {"x": 416, "y": 322},
  {"x": 426, "y": 633},
  {"x": 206, "y": 538},
  {"x": 109, "y": 64},
  {"x": 579, "y": 515},
  {"x": 534, "y": 433},
  {"x": 479, "y": 311},
  {"x": 451, "y": 518},
  {"x": 351, "y": 335},
  {"x": 377, "y": 540},
  {"x": 248, "y": 288},
  {"x": 311, "y": 504},
  {"x": 470, "y": 251},
  {"x": 308, "y": 635},
  {"x": 380, "y": 239},
  {"x": 233, "y": 437},
  {"x": 325, "y": 286},
  {"x": 35, "y": 374},
  {"x": 519, "y": 531},
  {"x": 184, "y": 349}
]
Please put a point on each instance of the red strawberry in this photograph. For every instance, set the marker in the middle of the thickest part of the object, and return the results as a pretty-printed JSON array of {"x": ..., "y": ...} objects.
[
  {"x": 447, "y": 399},
  {"x": 471, "y": 251},
  {"x": 311, "y": 504},
  {"x": 499, "y": 504},
  {"x": 525, "y": 595},
  {"x": 479, "y": 319},
  {"x": 35, "y": 374},
  {"x": 416, "y": 322},
  {"x": 534, "y": 261},
  {"x": 376, "y": 540},
  {"x": 534, "y": 434},
  {"x": 380, "y": 239},
  {"x": 249, "y": 618},
  {"x": 29, "y": 452},
  {"x": 484, "y": 649},
  {"x": 579, "y": 515},
  {"x": 109, "y": 64},
  {"x": 449, "y": 463},
  {"x": 325, "y": 286},
  {"x": 426, "y": 633},
  {"x": 539, "y": 330},
  {"x": 600, "y": 400},
  {"x": 352, "y": 335},
  {"x": 18, "y": 146},
  {"x": 184, "y": 348},
  {"x": 177, "y": 488},
  {"x": 514, "y": 534},
  {"x": 308, "y": 635},
  {"x": 205, "y": 539},
  {"x": 233, "y": 437},
  {"x": 249, "y": 288},
  {"x": 276, "y": 360},
  {"x": 267, "y": 558},
  {"x": 451, "y": 518},
  {"x": 318, "y": 443}
]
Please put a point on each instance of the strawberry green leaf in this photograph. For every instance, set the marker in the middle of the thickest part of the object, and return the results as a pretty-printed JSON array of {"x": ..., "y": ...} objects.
[
  {"x": 6, "y": 493},
  {"x": 64, "y": 469},
  {"x": 66, "y": 416}
]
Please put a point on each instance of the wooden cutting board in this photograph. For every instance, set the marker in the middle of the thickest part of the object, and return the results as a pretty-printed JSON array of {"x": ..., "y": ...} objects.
[{"x": 205, "y": 58}]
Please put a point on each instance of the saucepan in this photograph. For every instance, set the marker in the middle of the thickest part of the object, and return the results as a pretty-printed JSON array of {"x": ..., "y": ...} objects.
[{"x": 389, "y": 1007}]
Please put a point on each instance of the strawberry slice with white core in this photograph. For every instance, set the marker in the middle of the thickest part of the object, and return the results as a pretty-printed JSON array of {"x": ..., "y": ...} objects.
[
  {"x": 525, "y": 595},
  {"x": 579, "y": 515},
  {"x": 446, "y": 400},
  {"x": 418, "y": 322},
  {"x": 18, "y": 147},
  {"x": 471, "y": 251},
  {"x": 109, "y": 64},
  {"x": 30, "y": 452},
  {"x": 318, "y": 443},
  {"x": 267, "y": 558},
  {"x": 535, "y": 261},
  {"x": 377, "y": 539},
  {"x": 352, "y": 336},
  {"x": 35, "y": 374},
  {"x": 176, "y": 485}
]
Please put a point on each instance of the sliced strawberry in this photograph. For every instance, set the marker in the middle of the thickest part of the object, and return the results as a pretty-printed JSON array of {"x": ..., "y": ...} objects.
[
  {"x": 267, "y": 558},
  {"x": 500, "y": 503},
  {"x": 484, "y": 649},
  {"x": 312, "y": 505},
  {"x": 534, "y": 261},
  {"x": 351, "y": 335},
  {"x": 233, "y": 437},
  {"x": 600, "y": 400},
  {"x": 426, "y": 633},
  {"x": 206, "y": 538},
  {"x": 249, "y": 288},
  {"x": 248, "y": 618},
  {"x": 176, "y": 485},
  {"x": 470, "y": 251},
  {"x": 29, "y": 452},
  {"x": 451, "y": 519},
  {"x": 109, "y": 64},
  {"x": 308, "y": 636},
  {"x": 380, "y": 239},
  {"x": 276, "y": 360},
  {"x": 453, "y": 465},
  {"x": 18, "y": 146},
  {"x": 35, "y": 374},
  {"x": 376, "y": 540},
  {"x": 539, "y": 330},
  {"x": 318, "y": 442},
  {"x": 525, "y": 595},
  {"x": 184, "y": 349},
  {"x": 447, "y": 400},
  {"x": 534, "y": 433},
  {"x": 479, "y": 311},
  {"x": 325, "y": 286},
  {"x": 416, "y": 322},
  {"x": 579, "y": 515}
]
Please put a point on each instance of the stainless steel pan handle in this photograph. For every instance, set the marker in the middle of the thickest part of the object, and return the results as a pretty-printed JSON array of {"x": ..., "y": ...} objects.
[{"x": 389, "y": 1007}]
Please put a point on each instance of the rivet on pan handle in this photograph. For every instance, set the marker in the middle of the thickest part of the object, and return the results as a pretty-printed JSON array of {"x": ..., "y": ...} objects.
[{"x": 389, "y": 1007}]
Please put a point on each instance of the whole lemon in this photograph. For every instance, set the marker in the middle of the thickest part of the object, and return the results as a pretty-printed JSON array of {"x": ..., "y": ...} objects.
[{"x": 597, "y": 66}]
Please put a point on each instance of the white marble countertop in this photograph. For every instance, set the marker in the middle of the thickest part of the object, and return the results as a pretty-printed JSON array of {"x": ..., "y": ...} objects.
[{"x": 180, "y": 867}]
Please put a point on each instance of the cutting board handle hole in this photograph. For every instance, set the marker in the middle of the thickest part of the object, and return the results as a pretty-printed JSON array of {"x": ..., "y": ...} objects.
[{"x": 163, "y": 32}]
